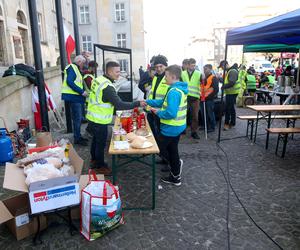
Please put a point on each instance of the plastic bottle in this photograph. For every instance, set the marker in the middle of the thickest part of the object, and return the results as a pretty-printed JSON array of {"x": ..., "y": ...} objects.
[{"x": 14, "y": 70}]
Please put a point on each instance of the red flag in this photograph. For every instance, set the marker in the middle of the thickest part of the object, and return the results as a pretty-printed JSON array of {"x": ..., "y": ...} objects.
[{"x": 69, "y": 43}]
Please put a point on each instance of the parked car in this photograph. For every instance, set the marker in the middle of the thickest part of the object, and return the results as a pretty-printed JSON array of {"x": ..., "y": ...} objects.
[{"x": 261, "y": 66}]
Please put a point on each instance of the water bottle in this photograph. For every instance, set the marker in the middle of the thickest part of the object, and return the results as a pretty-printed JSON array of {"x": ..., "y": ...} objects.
[{"x": 14, "y": 70}]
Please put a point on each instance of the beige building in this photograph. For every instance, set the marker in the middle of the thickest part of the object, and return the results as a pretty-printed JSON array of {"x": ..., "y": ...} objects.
[
  {"x": 116, "y": 23},
  {"x": 15, "y": 40}
]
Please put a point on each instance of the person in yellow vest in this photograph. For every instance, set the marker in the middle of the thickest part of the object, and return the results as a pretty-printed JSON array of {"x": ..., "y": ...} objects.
[
  {"x": 89, "y": 75},
  {"x": 193, "y": 78},
  {"x": 158, "y": 90},
  {"x": 73, "y": 92},
  {"x": 231, "y": 87},
  {"x": 242, "y": 80},
  {"x": 172, "y": 114},
  {"x": 209, "y": 92},
  {"x": 103, "y": 99}
]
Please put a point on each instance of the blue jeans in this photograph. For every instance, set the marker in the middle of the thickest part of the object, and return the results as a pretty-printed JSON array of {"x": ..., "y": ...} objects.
[
  {"x": 99, "y": 132},
  {"x": 230, "y": 114},
  {"x": 76, "y": 114},
  {"x": 210, "y": 114}
]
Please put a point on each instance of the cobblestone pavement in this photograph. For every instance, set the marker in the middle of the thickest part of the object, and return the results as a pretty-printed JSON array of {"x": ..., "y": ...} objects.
[{"x": 193, "y": 216}]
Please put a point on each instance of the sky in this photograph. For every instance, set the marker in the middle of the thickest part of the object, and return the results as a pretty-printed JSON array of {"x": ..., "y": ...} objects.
[{"x": 170, "y": 24}]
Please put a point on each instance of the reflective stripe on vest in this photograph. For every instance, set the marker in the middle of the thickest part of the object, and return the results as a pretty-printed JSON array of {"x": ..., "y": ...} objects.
[
  {"x": 208, "y": 88},
  {"x": 235, "y": 89},
  {"x": 161, "y": 89},
  {"x": 251, "y": 82},
  {"x": 193, "y": 83},
  {"x": 98, "y": 111},
  {"x": 78, "y": 81},
  {"x": 180, "y": 118}
]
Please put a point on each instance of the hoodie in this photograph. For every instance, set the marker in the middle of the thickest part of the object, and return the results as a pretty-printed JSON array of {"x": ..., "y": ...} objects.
[{"x": 173, "y": 102}]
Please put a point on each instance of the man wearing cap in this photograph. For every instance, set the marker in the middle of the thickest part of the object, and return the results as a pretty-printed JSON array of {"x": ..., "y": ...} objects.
[
  {"x": 158, "y": 90},
  {"x": 231, "y": 87}
]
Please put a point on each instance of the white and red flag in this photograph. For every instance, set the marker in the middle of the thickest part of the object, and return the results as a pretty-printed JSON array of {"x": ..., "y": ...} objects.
[{"x": 69, "y": 43}]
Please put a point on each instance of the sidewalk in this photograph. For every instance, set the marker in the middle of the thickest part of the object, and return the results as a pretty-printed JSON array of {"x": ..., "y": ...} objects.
[{"x": 193, "y": 216}]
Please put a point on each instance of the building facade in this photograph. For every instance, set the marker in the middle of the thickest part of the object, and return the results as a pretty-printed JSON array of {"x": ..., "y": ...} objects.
[
  {"x": 15, "y": 40},
  {"x": 117, "y": 23}
]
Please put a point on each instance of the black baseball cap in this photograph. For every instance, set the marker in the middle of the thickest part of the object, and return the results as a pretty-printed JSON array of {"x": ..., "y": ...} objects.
[{"x": 223, "y": 63}]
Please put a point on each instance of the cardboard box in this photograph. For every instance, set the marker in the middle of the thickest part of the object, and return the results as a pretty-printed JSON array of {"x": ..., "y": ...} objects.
[
  {"x": 49, "y": 194},
  {"x": 14, "y": 212}
]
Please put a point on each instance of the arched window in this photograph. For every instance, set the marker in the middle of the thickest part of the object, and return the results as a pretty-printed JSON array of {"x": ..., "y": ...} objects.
[
  {"x": 1, "y": 13},
  {"x": 21, "y": 17}
]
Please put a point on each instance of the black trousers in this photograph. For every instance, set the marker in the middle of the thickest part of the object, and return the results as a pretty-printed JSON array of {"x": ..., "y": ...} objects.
[
  {"x": 168, "y": 147},
  {"x": 230, "y": 115},
  {"x": 99, "y": 132},
  {"x": 154, "y": 123}
]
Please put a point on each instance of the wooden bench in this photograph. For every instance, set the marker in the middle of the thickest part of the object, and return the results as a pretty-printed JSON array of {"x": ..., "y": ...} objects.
[
  {"x": 283, "y": 135},
  {"x": 291, "y": 119}
]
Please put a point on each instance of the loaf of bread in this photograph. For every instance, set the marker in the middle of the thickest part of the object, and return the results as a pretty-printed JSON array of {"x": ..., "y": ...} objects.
[{"x": 138, "y": 142}]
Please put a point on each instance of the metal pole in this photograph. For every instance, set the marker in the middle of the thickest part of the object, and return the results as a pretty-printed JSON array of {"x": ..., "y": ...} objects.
[
  {"x": 95, "y": 59},
  {"x": 298, "y": 72},
  {"x": 38, "y": 63},
  {"x": 63, "y": 61},
  {"x": 75, "y": 25},
  {"x": 222, "y": 96},
  {"x": 131, "y": 87}
]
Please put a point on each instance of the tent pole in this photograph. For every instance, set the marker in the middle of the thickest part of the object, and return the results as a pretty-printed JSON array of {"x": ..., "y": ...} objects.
[
  {"x": 298, "y": 72},
  {"x": 222, "y": 97}
]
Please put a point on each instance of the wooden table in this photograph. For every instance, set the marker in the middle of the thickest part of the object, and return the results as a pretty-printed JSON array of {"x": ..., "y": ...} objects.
[
  {"x": 265, "y": 112},
  {"x": 134, "y": 155}
]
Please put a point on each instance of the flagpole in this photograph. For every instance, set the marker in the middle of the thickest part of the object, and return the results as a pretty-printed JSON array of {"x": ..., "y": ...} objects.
[
  {"x": 75, "y": 26},
  {"x": 63, "y": 62},
  {"x": 36, "y": 44}
]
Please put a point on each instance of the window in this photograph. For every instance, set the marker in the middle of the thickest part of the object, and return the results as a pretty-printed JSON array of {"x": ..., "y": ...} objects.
[
  {"x": 56, "y": 38},
  {"x": 121, "y": 40},
  {"x": 18, "y": 47},
  {"x": 84, "y": 14},
  {"x": 48, "y": 64},
  {"x": 40, "y": 26},
  {"x": 53, "y": 5},
  {"x": 123, "y": 65},
  {"x": 120, "y": 12},
  {"x": 21, "y": 17},
  {"x": 87, "y": 43}
]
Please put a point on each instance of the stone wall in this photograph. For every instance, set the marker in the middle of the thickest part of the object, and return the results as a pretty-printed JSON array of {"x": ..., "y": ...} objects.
[{"x": 16, "y": 95}]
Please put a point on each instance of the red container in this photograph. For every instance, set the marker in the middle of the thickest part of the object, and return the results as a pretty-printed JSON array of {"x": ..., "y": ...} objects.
[{"x": 129, "y": 124}]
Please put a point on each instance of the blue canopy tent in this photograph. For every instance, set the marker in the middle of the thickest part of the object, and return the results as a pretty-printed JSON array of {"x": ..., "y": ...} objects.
[{"x": 283, "y": 29}]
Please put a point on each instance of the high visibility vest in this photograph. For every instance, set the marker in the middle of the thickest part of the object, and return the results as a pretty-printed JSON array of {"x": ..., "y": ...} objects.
[
  {"x": 271, "y": 81},
  {"x": 235, "y": 89},
  {"x": 180, "y": 118},
  {"x": 84, "y": 83},
  {"x": 251, "y": 82},
  {"x": 242, "y": 78},
  {"x": 78, "y": 81},
  {"x": 98, "y": 111},
  {"x": 193, "y": 83},
  {"x": 208, "y": 86},
  {"x": 161, "y": 89}
]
